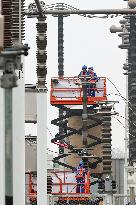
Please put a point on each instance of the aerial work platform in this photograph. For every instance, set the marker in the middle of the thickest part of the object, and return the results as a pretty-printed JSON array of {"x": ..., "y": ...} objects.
[{"x": 68, "y": 90}]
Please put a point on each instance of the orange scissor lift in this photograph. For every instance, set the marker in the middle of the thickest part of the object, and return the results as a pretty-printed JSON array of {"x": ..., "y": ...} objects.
[{"x": 68, "y": 91}]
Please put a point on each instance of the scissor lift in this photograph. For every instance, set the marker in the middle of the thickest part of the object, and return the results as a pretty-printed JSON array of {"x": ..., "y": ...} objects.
[{"x": 80, "y": 91}]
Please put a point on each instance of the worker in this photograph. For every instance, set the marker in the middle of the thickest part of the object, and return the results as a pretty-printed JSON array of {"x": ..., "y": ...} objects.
[
  {"x": 91, "y": 73},
  {"x": 80, "y": 178},
  {"x": 92, "y": 80},
  {"x": 84, "y": 71}
]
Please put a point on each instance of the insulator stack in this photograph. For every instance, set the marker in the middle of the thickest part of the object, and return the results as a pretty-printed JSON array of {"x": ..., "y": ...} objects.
[
  {"x": 60, "y": 46},
  {"x": 18, "y": 29},
  {"x": 41, "y": 51},
  {"x": 60, "y": 65},
  {"x": 132, "y": 90},
  {"x": 7, "y": 12},
  {"x": 49, "y": 184},
  {"x": 106, "y": 139},
  {"x": 22, "y": 19}
]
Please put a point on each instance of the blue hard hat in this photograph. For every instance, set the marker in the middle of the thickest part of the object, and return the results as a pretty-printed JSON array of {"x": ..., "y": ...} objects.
[{"x": 84, "y": 67}]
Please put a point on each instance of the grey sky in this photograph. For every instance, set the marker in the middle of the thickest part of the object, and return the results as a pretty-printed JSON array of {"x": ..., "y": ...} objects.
[{"x": 86, "y": 41}]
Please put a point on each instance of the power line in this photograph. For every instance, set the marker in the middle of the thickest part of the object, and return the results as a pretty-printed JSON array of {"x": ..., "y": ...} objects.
[
  {"x": 122, "y": 125},
  {"x": 127, "y": 101},
  {"x": 50, "y": 132}
]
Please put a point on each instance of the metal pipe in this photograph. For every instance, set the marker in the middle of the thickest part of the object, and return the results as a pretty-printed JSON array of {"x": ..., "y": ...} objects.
[
  {"x": 69, "y": 12},
  {"x": 8, "y": 148}
]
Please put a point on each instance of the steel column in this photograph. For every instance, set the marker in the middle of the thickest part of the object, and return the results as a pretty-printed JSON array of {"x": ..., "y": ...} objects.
[
  {"x": 18, "y": 110},
  {"x": 8, "y": 148},
  {"x": 19, "y": 142},
  {"x": 126, "y": 141},
  {"x": 2, "y": 158},
  {"x": 132, "y": 90},
  {"x": 41, "y": 147}
]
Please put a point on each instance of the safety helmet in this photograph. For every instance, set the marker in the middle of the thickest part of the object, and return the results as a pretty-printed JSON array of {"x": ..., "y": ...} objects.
[
  {"x": 81, "y": 163},
  {"x": 84, "y": 67},
  {"x": 91, "y": 68}
]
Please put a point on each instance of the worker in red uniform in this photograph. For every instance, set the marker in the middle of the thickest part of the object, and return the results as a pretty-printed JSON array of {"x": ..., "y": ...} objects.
[
  {"x": 84, "y": 71},
  {"x": 93, "y": 77},
  {"x": 80, "y": 178}
]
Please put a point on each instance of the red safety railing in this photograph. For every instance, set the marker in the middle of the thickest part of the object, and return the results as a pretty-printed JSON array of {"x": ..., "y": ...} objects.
[
  {"x": 32, "y": 186},
  {"x": 77, "y": 99},
  {"x": 62, "y": 182}
]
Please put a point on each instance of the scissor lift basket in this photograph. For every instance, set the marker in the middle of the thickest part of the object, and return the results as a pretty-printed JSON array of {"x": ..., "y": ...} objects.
[{"x": 68, "y": 91}]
